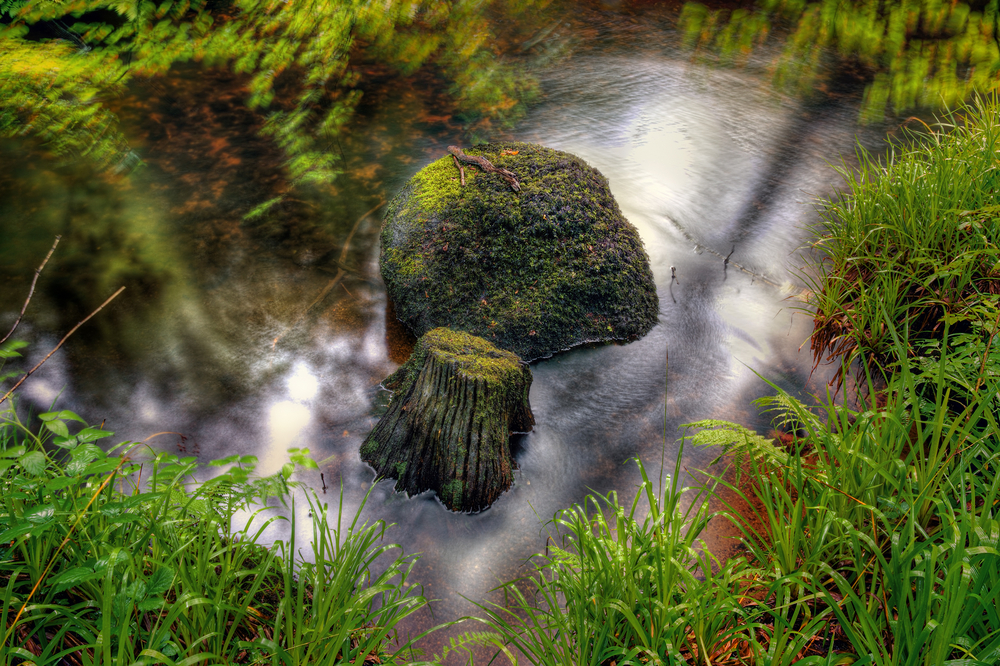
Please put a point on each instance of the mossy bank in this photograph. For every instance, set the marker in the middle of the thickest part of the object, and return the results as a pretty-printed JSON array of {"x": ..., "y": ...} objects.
[{"x": 534, "y": 272}]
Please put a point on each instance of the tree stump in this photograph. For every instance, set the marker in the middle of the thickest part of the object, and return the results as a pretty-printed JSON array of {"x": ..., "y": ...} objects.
[{"x": 458, "y": 399}]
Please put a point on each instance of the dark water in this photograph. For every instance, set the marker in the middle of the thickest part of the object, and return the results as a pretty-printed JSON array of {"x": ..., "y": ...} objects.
[{"x": 235, "y": 337}]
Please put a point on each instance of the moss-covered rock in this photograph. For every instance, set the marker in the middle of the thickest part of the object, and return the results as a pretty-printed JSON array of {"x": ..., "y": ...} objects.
[
  {"x": 535, "y": 272},
  {"x": 457, "y": 400}
]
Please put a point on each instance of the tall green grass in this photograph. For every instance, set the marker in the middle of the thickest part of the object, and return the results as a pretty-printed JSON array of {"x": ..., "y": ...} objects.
[
  {"x": 108, "y": 560},
  {"x": 628, "y": 584},
  {"x": 914, "y": 235},
  {"x": 878, "y": 542}
]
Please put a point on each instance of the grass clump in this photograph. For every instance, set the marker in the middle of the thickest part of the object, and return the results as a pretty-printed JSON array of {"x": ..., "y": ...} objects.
[
  {"x": 627, "y": 588},
  {"x": 877, "y": 542},
  {"x": 108, "y": 560},
  {"x": 916, "y": 236}
]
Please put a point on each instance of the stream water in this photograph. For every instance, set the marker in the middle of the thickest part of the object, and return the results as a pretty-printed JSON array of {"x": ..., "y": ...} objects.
[{"x": 228, "y": 339}]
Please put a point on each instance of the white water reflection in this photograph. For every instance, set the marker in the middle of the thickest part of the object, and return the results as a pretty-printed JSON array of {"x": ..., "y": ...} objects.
[
  {"x": 302, "y": 383},
  {"x": 286, "y": 421}
]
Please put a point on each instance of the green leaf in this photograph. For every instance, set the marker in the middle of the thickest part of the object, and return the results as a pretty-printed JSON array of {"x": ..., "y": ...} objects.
[
  {"x": 93, "y": 434},
  {"x": 9, "y": 348},
  {"x": 81, "y": 458},
  {"x": 17, "y": 531},
  {"x": 114, "y": 558},
  {"x": 150, "y": 605},
  {"x": 66, "y": 442},
  {"x": 58, "y": 427},
  {"x": 40, "y": 515},
  {"x": 87, "y": 452},
  {"x": 287, "y": 469},
  {"x": 60, "y": 483},
  {"x": 73, "y": 577},
  {"x": 261, "y": 209},
  {"x": 102, "y": 466},
  {"x": 34, "y": 463},
  {"x": 64, "y": 414},
  {"x": 160, "y": 581}
]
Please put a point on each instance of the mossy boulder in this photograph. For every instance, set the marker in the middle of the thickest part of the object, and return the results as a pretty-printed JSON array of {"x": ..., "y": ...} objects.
[
  {"x": 457, "y": 400},
  {"x": 535, "y": 272}
]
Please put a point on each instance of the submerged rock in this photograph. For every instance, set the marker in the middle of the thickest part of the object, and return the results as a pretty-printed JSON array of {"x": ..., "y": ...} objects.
[
  {"x": 457, "y": 400},
  {"x": 535, "y": 272}
]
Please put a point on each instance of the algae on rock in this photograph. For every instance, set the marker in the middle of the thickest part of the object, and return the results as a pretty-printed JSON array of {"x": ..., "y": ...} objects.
[
  {"x": 534, "y": 272},
  {"x": 457, "y": 400}
]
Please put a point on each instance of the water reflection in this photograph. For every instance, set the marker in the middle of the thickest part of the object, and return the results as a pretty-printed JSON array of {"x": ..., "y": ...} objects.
[{"x": 240, "y": 335}]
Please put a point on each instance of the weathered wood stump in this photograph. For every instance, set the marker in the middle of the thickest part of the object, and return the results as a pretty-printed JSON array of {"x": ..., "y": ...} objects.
[{"x": 457, "y": 400}]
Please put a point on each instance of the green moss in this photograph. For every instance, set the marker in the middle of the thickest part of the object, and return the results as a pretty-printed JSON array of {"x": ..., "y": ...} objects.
[
  {"x": 476, "y": 358},
  {"x": 451, "y": 494},
  {"x": 438, "y": 184},
  {"x": 538, "y": 271}
]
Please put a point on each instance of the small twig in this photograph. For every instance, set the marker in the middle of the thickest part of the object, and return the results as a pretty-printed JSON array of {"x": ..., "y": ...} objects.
[
  {"x": 31, "y": 292},
  {"x": 323, "y": 480},
  {"x": 725, "y": 264},
  {"x": 56, "y": 348},
  {"x": 757, "y": 276},
  {"x": 461, "y": 169}
]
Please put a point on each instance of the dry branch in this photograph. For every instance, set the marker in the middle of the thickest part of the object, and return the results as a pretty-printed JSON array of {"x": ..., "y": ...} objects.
[
  {"x": 56, "y": 348},
  {"x": 31, "y": 292}
]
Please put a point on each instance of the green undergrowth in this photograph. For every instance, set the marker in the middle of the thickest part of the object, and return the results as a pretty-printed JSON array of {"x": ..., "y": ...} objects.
[
  {"x": 915, "y": 235},
  {"x": 877, "y": 542},
  {"x": 135, "y": 558}
]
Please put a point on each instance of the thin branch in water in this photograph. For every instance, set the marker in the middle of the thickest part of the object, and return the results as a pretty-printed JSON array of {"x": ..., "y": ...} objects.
[
  {"x": 341, "y": 272},
  {"x": 56, "y": 348},
  {"x": 31, "y": 292}
]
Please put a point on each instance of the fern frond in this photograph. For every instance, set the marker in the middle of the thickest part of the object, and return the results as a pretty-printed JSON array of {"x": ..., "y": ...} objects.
[
  {"x": 467, "y": 642},
  {"x": 10, "y": 7},
  {"x": 790, "y": 414},
  {"x": 739, "y": 441}
]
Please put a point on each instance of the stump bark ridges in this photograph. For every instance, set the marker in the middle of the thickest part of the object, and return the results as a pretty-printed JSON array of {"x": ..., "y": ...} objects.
[{"x": 457, "y": 400}]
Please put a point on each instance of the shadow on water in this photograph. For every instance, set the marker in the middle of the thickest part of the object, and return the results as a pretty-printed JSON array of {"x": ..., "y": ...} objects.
[{"x": 238, "y": 334}]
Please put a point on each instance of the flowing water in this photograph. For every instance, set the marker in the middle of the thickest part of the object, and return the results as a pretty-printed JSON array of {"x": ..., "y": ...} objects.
[{"x": 235, "y": 336}]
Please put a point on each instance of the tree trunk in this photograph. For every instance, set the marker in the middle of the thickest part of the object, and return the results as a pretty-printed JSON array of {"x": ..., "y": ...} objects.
[{"x": 458, "y": 399}]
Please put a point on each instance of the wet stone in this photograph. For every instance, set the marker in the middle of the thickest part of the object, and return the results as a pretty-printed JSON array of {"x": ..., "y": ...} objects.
[{"x": 535, "y": 272}]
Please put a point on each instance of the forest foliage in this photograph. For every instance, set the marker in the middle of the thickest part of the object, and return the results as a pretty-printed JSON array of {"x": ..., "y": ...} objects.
[
  {"x": 60, "y": 62},
  {"x": 911, "y": 53}
]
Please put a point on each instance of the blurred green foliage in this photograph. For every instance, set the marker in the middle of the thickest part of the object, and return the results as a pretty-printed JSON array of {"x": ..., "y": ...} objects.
[
  {"x": 61, "y": 61},
  {"x": 912, "y": 53}
]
